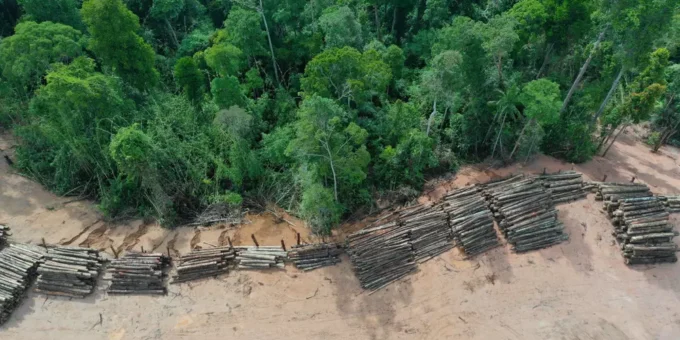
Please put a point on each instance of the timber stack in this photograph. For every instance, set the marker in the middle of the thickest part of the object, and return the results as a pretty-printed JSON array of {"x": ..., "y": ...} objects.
[
  {"x": 613, "y": 193},
  {"x": 69, "y": 271},
  {"x": 381, "y": 254},
  {"x": 429, "y": 232},
  {"x": 471, "y": 220},
  {"x": 672, "y": 203},
  {"x": 202, "y": 263},
  {"x": 260, "y": 257},
  {"x": 312, "y": 256},
  {"x": 525, "y": 213},
  {"x": 139, "y": 273},
  {"x": 18, "y": 265},
  {"x": 644, "y": 231},
  {"x": 4, "y": 234},
  {"x": 564, "y": 186}
]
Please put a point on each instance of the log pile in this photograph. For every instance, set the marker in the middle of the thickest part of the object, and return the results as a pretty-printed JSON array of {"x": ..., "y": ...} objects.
[
  {"x": 525, "y": 213},
  {"x": 672, "y": 203},
  {"x": 139, "y": 273},
  {"x": 644, "y": 231},
  {"x": 312, "y": 256},
  {"x": 381, "y": 254},
  {"x": 471, "y": 220},
  {"x": 564, "y": 186},
  {"x": 202, "y": 263},
  {"x": 260, "y": 257},
  {"x": 69, "y": 271},
  {"x": 429, "y": 232},
  {"x": 18, "y": 264},
  {"x": 4, "y": 233},
  {"x": 613, "y": 193}
]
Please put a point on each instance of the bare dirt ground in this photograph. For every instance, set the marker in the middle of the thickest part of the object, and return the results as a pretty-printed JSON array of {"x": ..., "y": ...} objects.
[{"x": 577, "y": 290}]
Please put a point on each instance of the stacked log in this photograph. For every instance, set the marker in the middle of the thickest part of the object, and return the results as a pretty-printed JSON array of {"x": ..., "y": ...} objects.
[
  {"x": 139, "y": 273},
  {"x": 613, "y": 193},
  {"x": 381, "y": 254},
  {"x": 525, "y": 213},
  {"x": 312, "y": 256},
  {"x": 471, "y": 220},
  {"x": 69, "y": 271},
  {"x": 18, "y": 264},
  {"x": 429, "y": 232},
  {"x": 672, "y": 203},
  {"x": 644, "y": 231},
  {"x": 260, "y": 257},
  {"x": 202, "y": 263},
  {"x": 564, "y": 186},
  {"x": 4, "y": 234}
]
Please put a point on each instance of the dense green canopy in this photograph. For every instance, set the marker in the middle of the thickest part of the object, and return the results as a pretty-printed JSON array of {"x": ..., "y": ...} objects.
[{"x": 167, "y": 107}]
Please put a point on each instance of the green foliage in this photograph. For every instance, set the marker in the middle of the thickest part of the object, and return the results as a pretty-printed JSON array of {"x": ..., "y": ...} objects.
[
  {"x": 226, "y": 92},
  {"x": 189, "y": 78},
  {"x": 114, "y": 40},
  {"x": 57, "y": 11},
  {"x": 26, "y": 56},
  {"x": 225, "y": 59},
  {"x": 340, "y": 28},
  {"x": 319, "y": 106}
]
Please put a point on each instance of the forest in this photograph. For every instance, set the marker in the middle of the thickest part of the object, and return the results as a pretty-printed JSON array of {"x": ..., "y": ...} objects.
[{"x": 165, "y": 108}]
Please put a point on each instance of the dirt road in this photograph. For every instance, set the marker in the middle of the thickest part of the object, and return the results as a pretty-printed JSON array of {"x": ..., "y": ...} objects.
[{"x": 577, "y": 290}]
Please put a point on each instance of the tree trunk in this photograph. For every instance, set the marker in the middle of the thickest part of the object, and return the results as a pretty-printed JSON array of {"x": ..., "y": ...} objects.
[
  {"x": 605, "y": 139},
  {"x": 172, "y": 33},
  {"x": 545, "y": 60},
  {"x": 614, "y": 140},
  {"x": 521, "y": 134},
  {"x": 500, "y": 131},
  {"x": 394, "y": 21},
  {"x": 578, "y": 79},
  {"x": 271, "y": 46},
  {"x": 377, "y": 22},
  {"x": 499, "y": 66},
  {"x": 606, "y": 99},
  {"x": 335, "y": 177},
  {"x": 429, "y": 120}
]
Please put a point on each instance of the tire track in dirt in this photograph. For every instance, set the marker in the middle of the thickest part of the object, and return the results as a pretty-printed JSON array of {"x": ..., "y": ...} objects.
[
  {"x": 131, "y": 240},
  {"x": 94, "y": 237},
  {"x": 196, "y": 239},
  {"x": 171, "y": 245},
  {"x": 81, "y": 233},
  {"x": 158, "y": 244}
]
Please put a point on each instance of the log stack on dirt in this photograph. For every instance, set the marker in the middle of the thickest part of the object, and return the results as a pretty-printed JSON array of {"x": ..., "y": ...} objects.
[
  {"x": 18, "y": 265},
  {"x": 4, "y": 234},
  {"x": 471, "y": 220},
  {"x": 644, "y": 231},
  {"x": 613, "y": 193},
  {"x": 139, "y": 273},
  {"x": 312, "y": 256},
  {"x": 260, "y": 257},
  {"x": 672, "y": 203},
  {"x": 429, "y": 232},
  {"x": 381, "y": 254},
  {"x": 202, "y": 263},
  {"x": 525, "y": 213},
  {"x": 564, "y": 186},
  {"x": 69, "y": 271}
]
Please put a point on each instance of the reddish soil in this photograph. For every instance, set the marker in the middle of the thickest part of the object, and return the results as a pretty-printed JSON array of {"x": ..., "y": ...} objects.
[{"x": 577, "y": 290}]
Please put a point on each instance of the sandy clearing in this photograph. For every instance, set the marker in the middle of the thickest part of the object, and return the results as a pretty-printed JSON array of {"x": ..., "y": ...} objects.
[{"x": 577, "y": 290}]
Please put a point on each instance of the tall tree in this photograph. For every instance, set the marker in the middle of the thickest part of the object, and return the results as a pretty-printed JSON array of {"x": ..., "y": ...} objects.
[
  {"x": 114, "y": 40},
  {"x": 26, "y": 56}
]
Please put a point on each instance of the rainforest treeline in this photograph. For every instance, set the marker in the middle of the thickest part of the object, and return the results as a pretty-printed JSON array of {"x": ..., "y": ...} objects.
[{"x": 162, "y": 108}]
